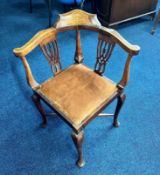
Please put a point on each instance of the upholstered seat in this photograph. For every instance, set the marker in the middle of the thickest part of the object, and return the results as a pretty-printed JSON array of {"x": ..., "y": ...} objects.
[{"x": 77, "y": 93}]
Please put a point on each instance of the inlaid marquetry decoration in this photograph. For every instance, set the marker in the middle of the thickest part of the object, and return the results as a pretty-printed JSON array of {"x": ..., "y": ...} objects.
[
  {"x": 104, "y": 51},
  {"x": 77, "y": 18},
  {"x": 50, "y": 50}
]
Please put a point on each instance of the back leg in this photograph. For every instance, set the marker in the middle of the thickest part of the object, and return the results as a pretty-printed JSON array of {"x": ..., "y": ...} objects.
[
  {"x": 30, "y": 6},
  {"x": 36, "y": 100},
  {"x": 120, "y": 102}
]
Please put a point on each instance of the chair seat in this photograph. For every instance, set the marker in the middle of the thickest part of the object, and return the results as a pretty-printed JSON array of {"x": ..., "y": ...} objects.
[{"x": 77, "y": 93}]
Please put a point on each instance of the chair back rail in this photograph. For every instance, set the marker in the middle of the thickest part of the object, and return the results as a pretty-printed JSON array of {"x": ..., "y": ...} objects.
[{"x": 77, "y": 20}]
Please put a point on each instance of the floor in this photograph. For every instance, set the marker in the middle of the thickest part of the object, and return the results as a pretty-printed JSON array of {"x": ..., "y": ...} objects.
[{"x": 27, "y": 149}]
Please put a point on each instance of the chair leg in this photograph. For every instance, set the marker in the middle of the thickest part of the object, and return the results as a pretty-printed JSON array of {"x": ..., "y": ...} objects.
[
  {"x": 30, "y": 6},
  {"x": 36, "y": 100},
  {"x": 64, "y": 8},
  {"x": 120, "y": 102},
  {"x": 82, "y": 4},
  {"x": 49, "y": 12},
  {"x": 153, "y": 16},
  {"x": 156, "y": 23},
  {"x": 78, "y": 139}
]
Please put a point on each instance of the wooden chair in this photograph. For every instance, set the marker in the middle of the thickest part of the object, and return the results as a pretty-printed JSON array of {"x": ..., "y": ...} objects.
[{"x": 81, "y": 93}]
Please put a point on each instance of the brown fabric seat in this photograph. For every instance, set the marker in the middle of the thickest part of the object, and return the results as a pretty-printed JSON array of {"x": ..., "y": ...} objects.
[{"x": 77, "y": 93}]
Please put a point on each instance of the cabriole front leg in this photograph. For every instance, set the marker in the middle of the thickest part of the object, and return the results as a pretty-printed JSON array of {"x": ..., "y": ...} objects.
[
  {"x": 78, "y": 139},
  {"x": 36, "y": 100},
  {"x": 120, "y": 101}
]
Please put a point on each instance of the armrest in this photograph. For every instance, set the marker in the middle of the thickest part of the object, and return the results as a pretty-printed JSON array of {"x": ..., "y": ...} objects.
[
  {"x": 110, "y": 38},
  {"x": 34, "y": 42},
  {"x": 30, "y": 79},
  {"x": 125, "y": 77},
  {"x": 40, "y": 37},
  {"x": 128, "y": 47}
]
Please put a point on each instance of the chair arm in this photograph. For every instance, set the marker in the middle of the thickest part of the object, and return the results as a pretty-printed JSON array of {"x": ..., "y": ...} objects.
[
  {"x": 128, "y": 47},
  {"x": 21, "y": 52},
  {"x": 126, "y": 73},
  {"x": 34, "y": 42},
  {"x": 30, "y": 79}
]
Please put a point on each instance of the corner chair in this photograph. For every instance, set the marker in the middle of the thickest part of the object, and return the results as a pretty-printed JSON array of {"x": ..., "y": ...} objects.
[{"x": 81, "y": 93}]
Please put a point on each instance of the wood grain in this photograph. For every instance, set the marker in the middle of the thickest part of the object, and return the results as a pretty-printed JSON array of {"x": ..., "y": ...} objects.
[
  {"x": 126, "y": 73},
  {"x": 34, "y": 42},
  {"x": 128, "y": 47},
  {"x": 77, "y": 18}
]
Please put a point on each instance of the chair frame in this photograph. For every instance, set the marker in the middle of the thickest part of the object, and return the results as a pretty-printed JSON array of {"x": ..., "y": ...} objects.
[{"x": 78, "y": 20}]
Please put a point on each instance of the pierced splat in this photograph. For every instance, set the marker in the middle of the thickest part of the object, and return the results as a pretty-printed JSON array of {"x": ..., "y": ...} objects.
[
  {"x": 104, "y": 51},
  {"x": 51, "y": 52}
]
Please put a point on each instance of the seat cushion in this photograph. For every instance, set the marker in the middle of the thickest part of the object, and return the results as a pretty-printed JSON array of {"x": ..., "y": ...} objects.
[{"x": 77, "y": 93}]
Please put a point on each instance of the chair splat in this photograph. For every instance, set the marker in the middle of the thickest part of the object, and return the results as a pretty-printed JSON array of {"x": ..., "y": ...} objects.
[
  {"x": 78, "y": 53},
  {"x": 104, "y": 51},
  {"x": 51, "y": 52}
]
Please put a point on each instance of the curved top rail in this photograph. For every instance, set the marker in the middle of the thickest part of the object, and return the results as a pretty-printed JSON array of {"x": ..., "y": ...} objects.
[
  {"x": 77, "y": 18},
  {"x": 74, "y": 19},
  {"x": 130, "y": 48},
  {"x": 83, "y": 20}
]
